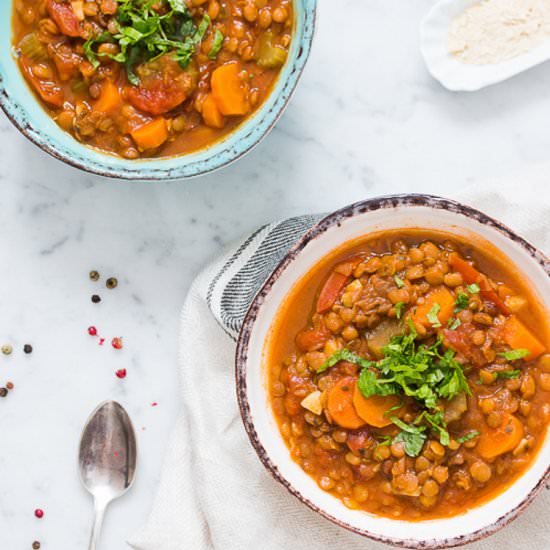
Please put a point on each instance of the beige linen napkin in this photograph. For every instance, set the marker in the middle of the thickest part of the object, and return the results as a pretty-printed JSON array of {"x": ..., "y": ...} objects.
[{"x": 214, "y": 492}]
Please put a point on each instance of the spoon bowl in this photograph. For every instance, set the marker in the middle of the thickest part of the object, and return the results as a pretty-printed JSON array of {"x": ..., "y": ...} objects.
[{"x": 107, "y": 458}]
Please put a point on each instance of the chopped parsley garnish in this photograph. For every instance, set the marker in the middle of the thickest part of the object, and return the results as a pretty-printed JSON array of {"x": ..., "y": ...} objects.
[
  {"x": 508, "y": 374},
  {"x": 399, "y": 307},
  {"x": 515, "y": 354},
  {"x": 467, "y": 437},
  {"x": 473, "y": 288},
  {"x": 454, "y": 324},
  {"x": 398, "y": 281},
  {"x": 144, "y": 34},
  {"x": 432, "y": 315},
  {"x": 461, "y": 302},
  {"x": 425, "y": 373}
]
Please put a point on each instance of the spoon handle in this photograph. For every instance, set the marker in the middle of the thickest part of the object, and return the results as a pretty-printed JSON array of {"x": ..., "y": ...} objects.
[{"x": 99, "y": 512}]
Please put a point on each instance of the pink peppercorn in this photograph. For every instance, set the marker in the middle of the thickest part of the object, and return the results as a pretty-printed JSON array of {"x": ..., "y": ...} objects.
[
  {"x": 121, "y": 373},
  {"x": 92, "y": 331},
  {"x": 39, "y": 513},
  {"x": 116, "y": 343}
]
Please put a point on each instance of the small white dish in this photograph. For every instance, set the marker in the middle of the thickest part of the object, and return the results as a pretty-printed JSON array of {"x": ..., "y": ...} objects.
[{"x": 453, "y": 73}]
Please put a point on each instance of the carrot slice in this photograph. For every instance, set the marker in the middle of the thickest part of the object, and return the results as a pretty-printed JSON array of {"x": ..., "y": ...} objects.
[
  {"x": 229, "y": 91},
  {"x": 109, "y": 99},
  {"x": 518, "y": 336},
  {"x": 151, "y": 135},
  {"x": 441, "y": 296},
  {"x": 471, "y": 275},
  {"x": 211, "y": 114},
  {"x": 312, "y": 339},
  {"x": 340, "y": 404},
  {"x": 496, "y": 441},
  {"x": 372, "y": 410}
]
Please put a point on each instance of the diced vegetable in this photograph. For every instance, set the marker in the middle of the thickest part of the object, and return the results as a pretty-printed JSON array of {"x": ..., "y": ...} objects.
[
  {"x": 211, "y": 114},
  {"x": 270, "y": 55},
  {"x": 472, "y": 275},
  {"x": 32, "y": 48},
  {"x": 455, "y": 408},
  {"x": 49, "y": 90},
  {"x": 335, "y": 284},
  {"x": 110, "y": 99},
  {"x": 381, "y": 336},
  {"x": 373, "y": 409},
  {"x": 428, "y": 314},
  {"x": 151, "y": 135},
  {"x": 313, "y": 402},
  {"x": 78, "y": 9},
  {"x": 518, "y": 336},
  {"x": 340, "y": 404},
  {"x": 312, "y": 339},
  {"x": 493, "y": 442},
  {"x": 229, "y": 91},
  {"x": 460, "y": 340},
  {"x": 64, "y": 17}
]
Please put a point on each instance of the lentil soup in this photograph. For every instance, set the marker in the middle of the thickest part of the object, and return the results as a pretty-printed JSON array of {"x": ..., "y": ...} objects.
[
  {"x": 409, "y": 374},
  {"x": 141, "y": 78}
]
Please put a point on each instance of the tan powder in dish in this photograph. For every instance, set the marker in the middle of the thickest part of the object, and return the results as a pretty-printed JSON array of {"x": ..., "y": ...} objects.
[{"x": 495, "y": 30}]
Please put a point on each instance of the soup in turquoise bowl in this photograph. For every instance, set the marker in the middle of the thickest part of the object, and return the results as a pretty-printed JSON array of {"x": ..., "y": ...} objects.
[{"x": 140, "y": 90}]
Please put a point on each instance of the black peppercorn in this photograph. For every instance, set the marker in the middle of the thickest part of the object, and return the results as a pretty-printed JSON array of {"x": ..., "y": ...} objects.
[
  {"x": 27, "y": 348},
  {"x": 96, "y": 299},
  {"x": 111, "y": 282},
  {"x": 3, "y": 392},
  {"x": 94, "y": 275},
  {"x": 35, "y": 545}
]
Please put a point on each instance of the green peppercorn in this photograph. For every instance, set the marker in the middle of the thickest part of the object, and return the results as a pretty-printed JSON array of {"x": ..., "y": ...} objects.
[
  {"x": 94, "y": 275},
  {"x": 111, "y": 282},
  {"x": 7, "y": 349},
  {"x": 96, "y": 299},
  {"x": 3, "y": 392}
]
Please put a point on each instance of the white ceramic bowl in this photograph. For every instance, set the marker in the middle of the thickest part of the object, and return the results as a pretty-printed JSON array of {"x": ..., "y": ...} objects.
[{"x": 407, "y": 211}]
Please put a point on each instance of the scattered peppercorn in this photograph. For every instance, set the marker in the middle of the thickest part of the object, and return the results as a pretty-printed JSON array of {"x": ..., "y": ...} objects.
[
  {"x": 92, "y": 331},
  {"x": 7, "y": 349},
  {"x": 96, "y": 298},
  {"x": 94, "y": 275},
  {"x": 111, "y": 282},
  {"x": 116, "y": 343},
  {"x": 27, "y": 348},
  {"x": 9, "y": 386},
  {"x": 35, "y": 545},
  {"x": 3, "y": 392},
  {"x": 101, "y": 341},
  {"x": 39, "y": 513},
  {"x": 121, "y": 373}
]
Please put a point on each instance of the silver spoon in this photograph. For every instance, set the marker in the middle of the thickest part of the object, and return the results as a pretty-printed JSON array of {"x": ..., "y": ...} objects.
[{"x": 107, "y": 458}]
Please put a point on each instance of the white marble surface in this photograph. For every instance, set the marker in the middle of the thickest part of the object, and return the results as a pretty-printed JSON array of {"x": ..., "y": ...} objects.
[{"x": 367, "y": 119}]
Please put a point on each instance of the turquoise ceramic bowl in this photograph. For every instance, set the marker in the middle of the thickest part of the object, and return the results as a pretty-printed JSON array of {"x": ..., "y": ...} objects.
[{"x": 24, "y": 110}]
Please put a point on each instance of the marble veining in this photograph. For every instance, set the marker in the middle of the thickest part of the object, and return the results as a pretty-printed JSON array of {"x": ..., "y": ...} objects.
[{"x": 367, "y": 119}]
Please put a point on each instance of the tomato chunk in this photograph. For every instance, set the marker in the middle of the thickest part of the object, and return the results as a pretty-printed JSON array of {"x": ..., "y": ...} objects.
[
  {"x": 49, "y": 90},
  {"x": 163, "y": 85},
  {"x": 64, "y": 17}
]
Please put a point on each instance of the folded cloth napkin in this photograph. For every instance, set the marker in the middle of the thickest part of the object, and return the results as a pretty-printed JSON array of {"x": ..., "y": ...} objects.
[{"x": 214, "y": 492}]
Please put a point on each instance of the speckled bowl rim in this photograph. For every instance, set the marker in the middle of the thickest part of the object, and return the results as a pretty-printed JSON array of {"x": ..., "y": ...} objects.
[
  {"x": 241, "y": 355},
  {"x": 224, "y": 152}
]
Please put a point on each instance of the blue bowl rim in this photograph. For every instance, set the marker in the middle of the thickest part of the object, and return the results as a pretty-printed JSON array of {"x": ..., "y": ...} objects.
[{"x": 226, "y": 151}]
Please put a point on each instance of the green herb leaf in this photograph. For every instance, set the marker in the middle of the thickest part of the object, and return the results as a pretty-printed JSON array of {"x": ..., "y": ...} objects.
[
  {"x": 432, "y": 315},
  {"x": 412, "y": 437},
  {"x": 508, "y": 374},
  {"x": 473, "y": 288},
  {"x": 399, "y": 307},
  {"x": 515, "y": 354},
  {"x": 468, "y": 436},
  {"x": 461, "y": 302},
  {"x": 454, "y": 324},
  {"x": 398, "y": 281},
  {"x": 216, "y": 44},
  {"x": 344, "y": 355},
  {"x": 179, "y": 6}
]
